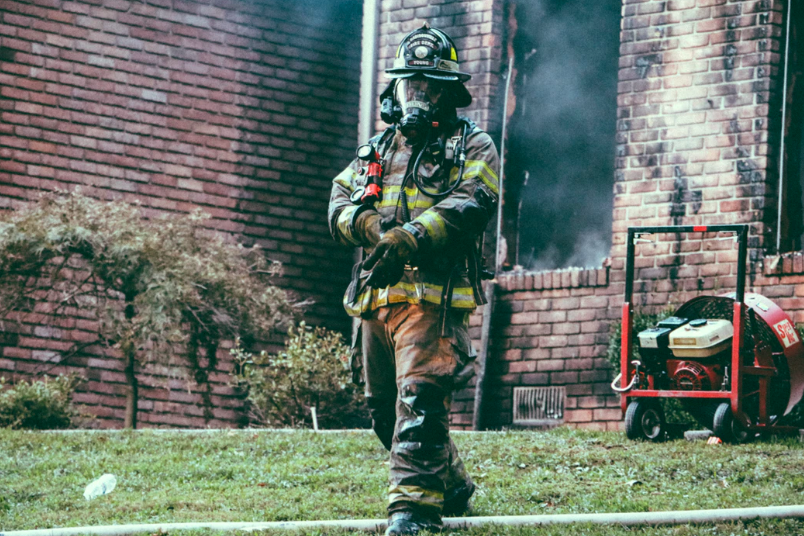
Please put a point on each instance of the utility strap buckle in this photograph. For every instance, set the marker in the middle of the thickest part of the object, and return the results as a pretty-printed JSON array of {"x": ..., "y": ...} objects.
[{"x": 449, "y": 149}]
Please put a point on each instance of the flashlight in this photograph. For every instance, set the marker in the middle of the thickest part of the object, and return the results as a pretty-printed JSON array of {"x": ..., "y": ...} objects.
[{"x": 373, "y": 190}]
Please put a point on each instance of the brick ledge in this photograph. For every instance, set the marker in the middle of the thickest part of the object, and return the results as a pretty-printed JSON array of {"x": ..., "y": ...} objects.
[
  {"x": 785, "y": 264},
  {"x": 554, "y": 279}
]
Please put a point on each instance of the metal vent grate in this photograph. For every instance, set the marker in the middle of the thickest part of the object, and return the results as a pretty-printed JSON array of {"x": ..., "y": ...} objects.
[{"x": 539, "y": 406}]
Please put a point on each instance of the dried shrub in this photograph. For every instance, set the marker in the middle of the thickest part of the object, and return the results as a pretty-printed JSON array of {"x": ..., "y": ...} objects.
[{"x": 154, "y": 285}]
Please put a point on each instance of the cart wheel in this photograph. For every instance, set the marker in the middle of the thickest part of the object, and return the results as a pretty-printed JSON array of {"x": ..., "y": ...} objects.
[
  {"x": 726, "y": 427},
  {"x": 644, "y": 420}
]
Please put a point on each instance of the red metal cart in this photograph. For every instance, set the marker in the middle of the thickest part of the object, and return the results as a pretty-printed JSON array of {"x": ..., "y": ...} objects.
[{"x": 761, "y": 382}]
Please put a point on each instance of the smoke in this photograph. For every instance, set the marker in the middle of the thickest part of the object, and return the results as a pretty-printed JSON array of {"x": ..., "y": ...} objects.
[
  {"x": 588, "y": 252},
  {"x": 562, "y": 136},
  {"x": 319, "y": 13}
]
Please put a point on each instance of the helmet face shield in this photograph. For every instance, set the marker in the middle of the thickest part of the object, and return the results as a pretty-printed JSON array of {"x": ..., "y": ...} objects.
[
  {"x": 416, "y": 92},
  {"x": 419, "y": 98}
]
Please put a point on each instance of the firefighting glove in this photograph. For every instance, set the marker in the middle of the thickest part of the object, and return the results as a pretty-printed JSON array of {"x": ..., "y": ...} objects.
[
  {"x": 367, "y": 227},
  {"x": 387, "y": 262}
]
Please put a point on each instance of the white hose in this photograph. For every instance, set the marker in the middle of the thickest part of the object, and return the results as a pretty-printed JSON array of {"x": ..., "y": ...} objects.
[
  {"x": 631, "y": 385},
  {"x": 627, "y": 387},
  {"x": 677, "y": 517}
]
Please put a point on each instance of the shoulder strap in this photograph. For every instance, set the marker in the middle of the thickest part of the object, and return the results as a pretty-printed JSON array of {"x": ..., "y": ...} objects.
[
  {"x": 380, "y": 139},
  {"x": 472, "y": 126}
]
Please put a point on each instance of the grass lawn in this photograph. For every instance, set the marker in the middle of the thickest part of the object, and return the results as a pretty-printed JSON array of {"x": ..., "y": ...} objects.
[{"x": 272, "y": 476}]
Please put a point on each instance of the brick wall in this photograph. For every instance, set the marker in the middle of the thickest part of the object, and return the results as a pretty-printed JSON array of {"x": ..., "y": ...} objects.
[
  {"x": 549, "y": 329},
  {"x": 698, "y": 113},
  {"x": 699, "y": 117},
  {"x": 243, "y": 108}
]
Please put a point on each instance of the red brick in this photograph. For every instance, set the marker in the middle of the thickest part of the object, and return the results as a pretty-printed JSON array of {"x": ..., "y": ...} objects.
[
  {"x": 608, "y": 414},
  {"x": 522, "y": 366},
  {"x": 578, "y": 415}
]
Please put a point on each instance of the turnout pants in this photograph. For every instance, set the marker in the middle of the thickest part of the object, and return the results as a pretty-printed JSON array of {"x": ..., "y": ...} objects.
[{"x": 410, "y": 373}]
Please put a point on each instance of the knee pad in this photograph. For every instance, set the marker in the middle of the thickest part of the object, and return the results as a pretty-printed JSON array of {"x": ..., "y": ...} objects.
[
  {"x": 425, "y": 413},
  {"x": 383, "y": 419},
  {"x": 424, "y": 398}
]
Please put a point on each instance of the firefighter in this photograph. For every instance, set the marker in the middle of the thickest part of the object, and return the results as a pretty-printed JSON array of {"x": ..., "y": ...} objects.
[{"x": 417, "y": 200}]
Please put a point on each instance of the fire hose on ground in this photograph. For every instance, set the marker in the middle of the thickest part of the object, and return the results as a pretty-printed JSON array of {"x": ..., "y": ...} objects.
[{"x": 677, "y": 517}]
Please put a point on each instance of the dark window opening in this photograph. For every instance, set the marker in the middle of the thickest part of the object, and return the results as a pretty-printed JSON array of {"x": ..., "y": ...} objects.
[
  {"x": 791, "y": 227},
  {"x": 561, "y": 137}
]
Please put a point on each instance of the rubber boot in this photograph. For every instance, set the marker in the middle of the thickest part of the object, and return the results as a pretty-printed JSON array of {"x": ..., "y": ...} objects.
[
  {"x": 458, "y": 502},
  {"x": 407, "y": 523}
]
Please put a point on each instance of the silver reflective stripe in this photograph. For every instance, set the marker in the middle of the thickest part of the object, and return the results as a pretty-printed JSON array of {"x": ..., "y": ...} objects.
[
  {"x": 345, "y": 227},
  {"x": 481, "y": 169},
  {"x": 435, "y": 225},
  {"x": 345, "y": 178}
]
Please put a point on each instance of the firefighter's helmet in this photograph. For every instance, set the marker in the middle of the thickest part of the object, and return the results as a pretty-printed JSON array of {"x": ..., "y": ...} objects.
[{"x": 430, "y": 52}]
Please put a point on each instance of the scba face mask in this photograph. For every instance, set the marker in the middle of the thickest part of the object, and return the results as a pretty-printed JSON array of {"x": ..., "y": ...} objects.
[{"x": 419, "y": 99}]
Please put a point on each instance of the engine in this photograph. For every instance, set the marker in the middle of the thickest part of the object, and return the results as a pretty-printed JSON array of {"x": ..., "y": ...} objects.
[{"x": 683, "y": 354}]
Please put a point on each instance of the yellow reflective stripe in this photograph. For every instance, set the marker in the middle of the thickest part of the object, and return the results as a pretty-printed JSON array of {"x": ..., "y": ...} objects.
[
  {"x": 458, "y": 291},
  {"x": 492, "y": 175},
  {"x": 463, "y": 302},
  {"x": 397, "y": 189},
  {"x": 371, "y": 299},
  {"x": 392, "y": 202},
  {"x": 420, "y": 203},
  {"x": 344, "y": 219},
  {"x": 390, "y": 198},
  {"x": 462, "y": 297},
  {"x": 480, "y": 168},
  {"x": 346, "y": 178},
  {"x": 435, "y": 225},
  {"x": 363, "y": 303},
  {"x": 407, "y": 287},
  {"x": 417, "y": 291},
  {"x": 415, "y": 494}
]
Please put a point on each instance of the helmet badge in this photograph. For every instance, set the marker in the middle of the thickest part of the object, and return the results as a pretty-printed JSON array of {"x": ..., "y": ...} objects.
[{"x": 421, "y": 52}]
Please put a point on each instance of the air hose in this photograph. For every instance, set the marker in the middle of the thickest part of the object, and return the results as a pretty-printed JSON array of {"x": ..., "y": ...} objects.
[{"x": 461, "y": 154}]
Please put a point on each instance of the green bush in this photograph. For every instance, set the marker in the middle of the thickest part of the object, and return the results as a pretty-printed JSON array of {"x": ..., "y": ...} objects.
[
  {"x": 312, "y": 372},
  {"x": 673, "y": 411},
  {"x": 38, "y": 404}
]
